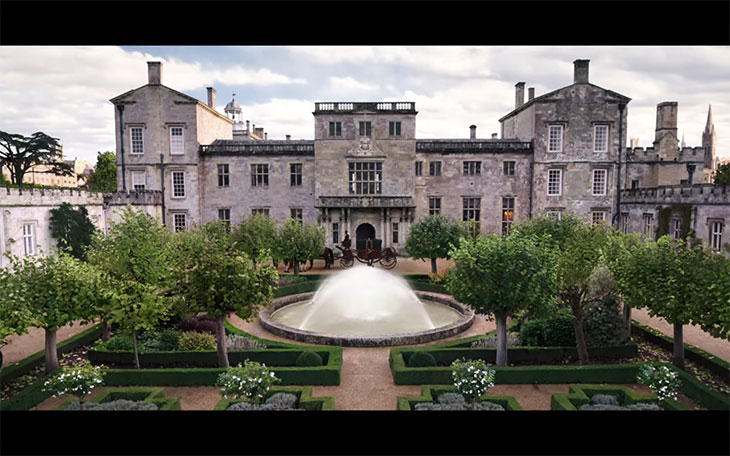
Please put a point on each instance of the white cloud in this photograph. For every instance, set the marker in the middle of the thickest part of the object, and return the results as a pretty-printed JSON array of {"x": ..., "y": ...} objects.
[
  {"x": 347, "y": 84},
  {"x": 281, "y": 117}
]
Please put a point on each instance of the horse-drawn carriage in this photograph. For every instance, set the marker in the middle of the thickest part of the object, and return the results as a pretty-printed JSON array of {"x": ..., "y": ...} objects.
[{"x": 368, "y": 251}]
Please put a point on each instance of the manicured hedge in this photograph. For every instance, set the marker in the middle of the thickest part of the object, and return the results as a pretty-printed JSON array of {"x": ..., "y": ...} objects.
[
  {"x": 27, "y": 364},
  {"x": 430, "y": 393},
  {"x": 154, "y": 395},
  {"x": 580, "y": 394},
  {"x": 29, "y": 397},
  {"x": 303, "y": 393},
  {"x": 717, "y": 365}
]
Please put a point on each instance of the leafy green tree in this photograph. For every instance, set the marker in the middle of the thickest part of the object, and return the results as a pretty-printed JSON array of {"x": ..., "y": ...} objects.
[
  {"x": 21, "y": 153},
  {"x": 722, "y": 174},
  {"x": 580, "y": 250},
  {"x": 135, "y": 273},
  {"x": 255, "y": 234},
  {"x": 15, "y": 317},
  {"x": 211, "y": 275},
  {"x": 54, "y": 290},
  {"x": 433, "y": 237},
  {"x": 314, "y": 237},
  {"x": 104, "y": 176},
  {"x": 72, "y": 228},
  {"x": 298, "y": 242},
  {"x": 502, "y": 276},
  {"x": 713, "y": 314}
]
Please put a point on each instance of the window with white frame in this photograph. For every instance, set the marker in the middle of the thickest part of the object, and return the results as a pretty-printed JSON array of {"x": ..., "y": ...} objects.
[
  {"x": 599, "y": 182},
  {"x": 224, "y": 215},
  {"x": 676, "y": 228},
  {"x": 625, "y": 222},
  {"x": 178, "y": 184},
  {"x": 259, "y": 175},
  {"x": 176, "y": 141},
  {"x": 598, "y": 217},
  {"x": 434, "y": 205},
  {"x": 554, "y": 182},
  {"x": 508, "y": 215},
  {"x": 295, "y": 172},
  {"x": 139, "y": 181},
  {"x": 137, "y": 141},
  {"x": 29, "y": 238},
  {"x": 179, "y": 221},
  {"x": 716, "y": 235},
  {"x": 366, "y": 178},
  {"x": 600, "y": 138},
  {"x": 472, "y": 168},
  {"x": 555, "y": 138},
  {"x": 647, "y": 229}
]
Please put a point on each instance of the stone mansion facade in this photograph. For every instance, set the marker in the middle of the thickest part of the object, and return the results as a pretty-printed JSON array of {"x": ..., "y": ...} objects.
[{"x": 366, "y": 173}]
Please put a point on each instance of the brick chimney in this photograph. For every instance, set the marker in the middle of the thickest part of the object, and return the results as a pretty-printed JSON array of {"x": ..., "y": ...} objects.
[
  {"x": 580, "y": 71},
  {"x": 288, "y": 137},
  {"x": 211, "y": 97},
  {"x": 519, "y": 94},
  {"x": 530, "y": 93},
  {"x": 473, "y": 132},
  {"x": 154, "y": 73}
]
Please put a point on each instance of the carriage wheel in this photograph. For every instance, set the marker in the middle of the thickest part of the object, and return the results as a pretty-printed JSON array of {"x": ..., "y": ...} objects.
[
  {"x": 347, "y": 261},
  {"x": 389, "y": 260}
]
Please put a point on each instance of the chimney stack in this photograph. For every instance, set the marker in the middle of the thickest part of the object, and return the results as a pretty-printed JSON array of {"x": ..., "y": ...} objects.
[
  {"x": 530, "y": 93},
  {"x": 288, "y": 137},
  {"x": 248, "y": 124},
  {"x": 494, "y": 135},
  {"x": 580, "y": 71},
  {"x": 519, "y": 94},
  {"x": 154, "y": 73},
  {"x": 266, "y": 136},
  {"x": 473, "y": 132},
  {"x": 211, "y": 97}
]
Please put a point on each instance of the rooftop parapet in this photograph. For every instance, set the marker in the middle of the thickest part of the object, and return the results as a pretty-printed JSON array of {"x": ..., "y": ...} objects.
[
  {"x": 688, "y": 194},
  {"x": 390, "y": 107},
  {"x": 134, "y": 198},
  {"x": 472, "y": 145},
  {"x": 29, "y": 196},
  {"x": 269, "y": 147}
]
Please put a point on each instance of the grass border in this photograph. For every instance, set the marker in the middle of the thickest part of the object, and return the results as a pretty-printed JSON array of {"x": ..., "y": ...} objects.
[
  {"x": 303, "y": 393},
  {"x": 580, "y": 394},
  {"x": 429, "y": 393}
]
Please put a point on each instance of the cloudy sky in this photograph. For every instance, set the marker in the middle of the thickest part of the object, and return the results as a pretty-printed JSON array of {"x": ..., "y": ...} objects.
[{"x": 65, "y": 91}]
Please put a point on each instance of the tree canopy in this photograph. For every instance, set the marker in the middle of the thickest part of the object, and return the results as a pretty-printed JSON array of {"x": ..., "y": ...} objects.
[
  {"x": 722, "y": 174},
  {"x": 432, "y": 237},
  {"x": 72, "y": 229},
  {"x": 104, "y": 176},
  {"x": 299, "y": 242},
  {"x": 20, "y": 153},
  {"x": 254, "y": 234}
]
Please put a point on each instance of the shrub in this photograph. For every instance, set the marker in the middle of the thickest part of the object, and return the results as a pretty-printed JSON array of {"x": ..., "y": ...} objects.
[
  {"x": 451, "y": 398},
  {"x": 532, "y": 333},
  {"x": 162, "y": 340},
  {"x": 308, "y": 359},
  {"x": 455, "y": 401},
  {"x": 559, "y": 331},
  {"x": 240, "y": 342},
  {"x": 119, "y": 404},
  {"x": 491, "y": 341},
  {"x": 78, "y": 380},
  {"x": 202, "y": 323},
  {"x": 603, "y": 323},
  {"x": 640, "y": 406},
  {"x": 191, "y": 340},
  {"x": 422, "y": 359},
  {"x": 120, "y": 342},
  {"x": 472, "y": 378},
  {"x": 278, "y": 401},
  {"x": 663, "y": 381},
  {"x": 252, "y": 381},
  {"x": 240, "y": 406},
  {"x": 604, "y": 399}
]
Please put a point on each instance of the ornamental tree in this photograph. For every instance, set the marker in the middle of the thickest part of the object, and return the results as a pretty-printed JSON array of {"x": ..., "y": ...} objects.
[
  {"x": 211, "y": 275},
  {"x": 472, "y": 378},
  {"x": 432, "y": 237},
  {"x": 502, "y": 276},
  {"x": 55, "y": 292},
  {"x": 298, "y": 242},
  {"x": 663, "y": 381},
  {"x": 77, "y": 381},
  {"x": 135, "y": 271},
  {"x": 252, "y": 381},
  {"x": 72, "y": 228},
  {"x": 255, "y": 234}
]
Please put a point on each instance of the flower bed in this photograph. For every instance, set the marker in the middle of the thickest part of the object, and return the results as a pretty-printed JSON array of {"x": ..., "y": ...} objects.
[
  {"x": 581, "y": 394},
  {"x": 151, "y": 395},
  {"x": 431, "y": 393},
  {"x": 303, "y": 394}
]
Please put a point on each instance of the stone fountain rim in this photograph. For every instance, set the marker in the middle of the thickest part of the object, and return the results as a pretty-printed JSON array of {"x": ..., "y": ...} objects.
[{"x": 431, "y": 335}]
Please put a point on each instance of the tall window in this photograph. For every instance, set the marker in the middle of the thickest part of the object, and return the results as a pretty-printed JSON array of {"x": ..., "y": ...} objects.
[
  {"x": 716, "y": 235},
  {"x": 296, "y": 174},
  {"x": 394, "y": 128},
  {"x": 625, "y": 222},
  {"x": 335, "y": 128},
  {"x": 509, "y": 168},
  {"x": 224, "y": 215},
  {"x": 395, "y": 232},
  {"x": 223, "y": 179},
  {"x": 434, "y": 168},
  {"x": 137, "y": 146},
  {"x": 139, "y": 181},
  {"x": 600, "y": 138},
  {"x": 178, "y": 222},
  {"x": 419, "y": 168},
  {"x": 472, "y": 168},
  {"x": 29, "y": 238},
  {"x": 366, "y": 128},
  {"x": 471, "y": 210},
  {"x": 296, "y": 214},
  {"x": 599, "y": 182},
  {"x": 178, "y": 184},
  {"x": 434, "y": 206},
  {"x": 260, "y": 210},
  {"x": 554, "y": 181},
  {"x": 598, "y": 217},
  {"x": 555, "y": 138},
  {"x": 676, "y": 229},
  {"x": 259, "y": 175},
  {"x": 176, "y": 141},
  {"x": 335, "y": 233},
  {"x": 647, "y": 229},
  {"x": 366, "y": 178},
  {"x": 508, "y": 214}
]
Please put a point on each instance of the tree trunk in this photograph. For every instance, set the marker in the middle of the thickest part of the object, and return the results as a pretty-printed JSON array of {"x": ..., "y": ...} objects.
[
  {"x": 296, "y": 267},
  {"x": 51, "y": 351},
  {"x": 580, "y": 339},
  {"x": 105, "y": 333},
  {"x": 134, "y": 345},
  {"x": 678, "y": 359},
  {"x": 627, "y": 319},
  {"x": 220, "y": 332},
  {"x": 433, "y": 266},
  {"x": 501, "y": 339}
]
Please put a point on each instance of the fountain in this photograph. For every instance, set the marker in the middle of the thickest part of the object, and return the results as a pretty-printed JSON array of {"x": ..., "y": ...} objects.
[{"x": 365, "y": 306}]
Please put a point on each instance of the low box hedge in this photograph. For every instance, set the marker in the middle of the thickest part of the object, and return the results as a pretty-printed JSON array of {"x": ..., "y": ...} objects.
[
  {"x": 303, "y": 393},
  {"x": 153, "y": 395},
  {"x": 430, "y": 393},
  {"x": 25, "y": 365},
  {"x": 580, "y": 394},
  {"x": 715, "y": 364}
]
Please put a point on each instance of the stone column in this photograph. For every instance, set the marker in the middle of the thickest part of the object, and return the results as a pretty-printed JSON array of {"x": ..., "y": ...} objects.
[
  {"x": 386, "y": 235},
  {"x": 382, "y": 226}
]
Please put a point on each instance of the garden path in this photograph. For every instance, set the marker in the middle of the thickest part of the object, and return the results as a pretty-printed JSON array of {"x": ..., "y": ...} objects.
[{"x": 27, "y": 344}]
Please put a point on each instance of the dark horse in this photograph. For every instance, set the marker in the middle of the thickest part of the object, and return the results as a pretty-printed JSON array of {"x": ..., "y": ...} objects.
[{"x": 328, "y": 256}]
